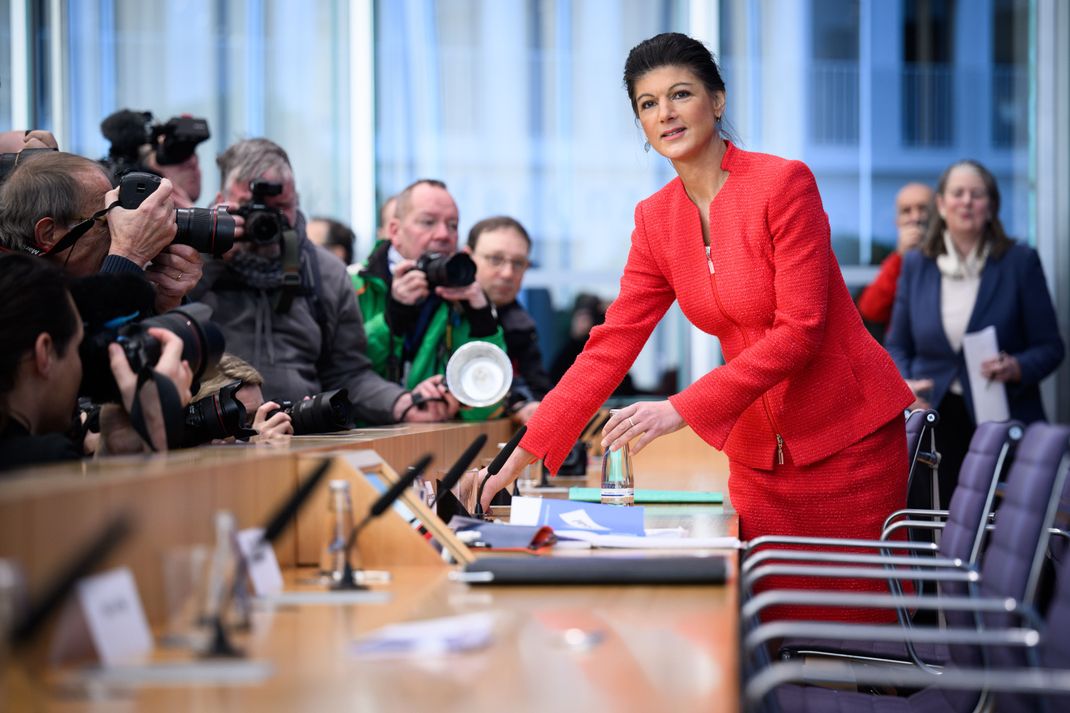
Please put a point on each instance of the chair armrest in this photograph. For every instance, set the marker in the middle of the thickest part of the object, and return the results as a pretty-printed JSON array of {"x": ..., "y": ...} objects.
[
  {"x": 936, "y": 575},
  {"x": 767, "y": 540},
  {"x": 1006, "y": 680},
  {"x": 763, "y": 634},
  {"x": 913, "y": 512},
  {"x": 758, "y": 558},
  {"x": 800, "y": 597},
  {"x": 914, "y": 525}
]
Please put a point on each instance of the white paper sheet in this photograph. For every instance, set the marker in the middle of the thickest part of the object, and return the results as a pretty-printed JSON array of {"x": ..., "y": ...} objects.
[{"x": 989, "y": 397}]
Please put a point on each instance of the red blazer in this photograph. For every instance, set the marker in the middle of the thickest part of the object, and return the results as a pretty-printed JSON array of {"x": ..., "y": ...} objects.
[
  {"x": 876, "y": 302},
  {"x": 800, "y": 369}
]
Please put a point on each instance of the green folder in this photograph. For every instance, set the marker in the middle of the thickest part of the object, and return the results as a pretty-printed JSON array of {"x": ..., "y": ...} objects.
[{"x": 642, "y": 495}]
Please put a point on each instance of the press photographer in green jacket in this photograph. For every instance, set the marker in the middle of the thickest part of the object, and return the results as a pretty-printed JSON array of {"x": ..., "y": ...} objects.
[{"x": 414, "y": 323}]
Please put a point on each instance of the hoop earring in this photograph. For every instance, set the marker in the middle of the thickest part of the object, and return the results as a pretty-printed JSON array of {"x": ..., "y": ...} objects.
[{"x": 646, "y": 147}]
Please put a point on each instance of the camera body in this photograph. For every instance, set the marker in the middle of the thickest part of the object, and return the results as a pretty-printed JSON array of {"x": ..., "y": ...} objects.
[
  {"x": 263, "y": 225},
  {"x": 456, "y": 270},
  {"x": 323, "y": 413},
  {"x": 220, "y": 415},
  {"x": 202, "y": 347},
  {"x": 209, "y": 231}
]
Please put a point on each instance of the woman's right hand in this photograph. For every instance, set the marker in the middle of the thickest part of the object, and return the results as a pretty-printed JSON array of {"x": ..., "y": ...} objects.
[
  {"x": 271, "y": 427},
  {"x": 505, "y": 477},
  {"x": 923, "y": 392}
]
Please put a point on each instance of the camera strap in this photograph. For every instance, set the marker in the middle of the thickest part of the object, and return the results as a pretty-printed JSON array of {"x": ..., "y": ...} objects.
[
  {"x": 72, "y": 235},
  {"x": 291, "y": 271},
  {"x": 170, "y": 407}
]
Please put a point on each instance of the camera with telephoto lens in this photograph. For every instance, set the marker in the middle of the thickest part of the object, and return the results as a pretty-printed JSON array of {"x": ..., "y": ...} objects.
[
  {"x": 10, "y": 161},
  {"x": 443, "y": 270},
  {"x": 206, "y": 230},
  {"x": 220, "y": 415},
  {"x": 202, "y": 347},
  {"x": 263, "y": 225},
  {"x": 323, "y": 413}
]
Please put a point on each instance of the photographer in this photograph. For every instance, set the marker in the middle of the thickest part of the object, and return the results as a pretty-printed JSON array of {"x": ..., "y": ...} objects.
[
  {"x": 501, "y": 248},
  {"x": 41, "y": 372},
  {"x": 419, "y": 296},
  {"x": 62, "y": 207},
  {"x": 262, "y": 416},
  {"x": 285, "y": 305}
]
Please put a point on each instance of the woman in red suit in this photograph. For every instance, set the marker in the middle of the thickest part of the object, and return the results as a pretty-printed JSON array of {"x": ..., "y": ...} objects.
[{"x": 808, "y": 407}]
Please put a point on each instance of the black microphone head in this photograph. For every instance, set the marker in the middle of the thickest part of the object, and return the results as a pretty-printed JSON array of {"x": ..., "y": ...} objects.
[
  {"x": 405, "y": 480},
  {"x": 285, "y": 513},
  {"x": 461, "y": 465},
  {"x": 127, "y": 131},
  {"x": 503, "y": 455}
]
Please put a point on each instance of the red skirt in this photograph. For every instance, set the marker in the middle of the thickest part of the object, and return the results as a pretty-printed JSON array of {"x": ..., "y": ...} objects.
[{"x": 848, "y": 494}]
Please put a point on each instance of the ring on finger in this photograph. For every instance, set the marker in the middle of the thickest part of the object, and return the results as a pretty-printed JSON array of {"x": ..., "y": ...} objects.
[{"x": 631, "y": 422}]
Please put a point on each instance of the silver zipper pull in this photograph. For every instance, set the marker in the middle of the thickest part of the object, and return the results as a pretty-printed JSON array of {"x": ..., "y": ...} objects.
[
  {"x": 779, "y": 450},
  {"x": 709, "y": 260}
]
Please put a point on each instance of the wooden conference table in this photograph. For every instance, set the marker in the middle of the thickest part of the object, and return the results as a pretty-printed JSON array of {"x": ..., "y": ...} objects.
[{"x": 642, "y": 648}]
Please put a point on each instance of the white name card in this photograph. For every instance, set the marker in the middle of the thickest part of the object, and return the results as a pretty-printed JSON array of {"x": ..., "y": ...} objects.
[
  {"x": 112, "y": 610},
  {"x": 264, "y": 570}
]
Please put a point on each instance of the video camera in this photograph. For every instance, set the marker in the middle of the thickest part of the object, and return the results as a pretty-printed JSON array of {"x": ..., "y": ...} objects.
[
  {"x": 207, "y": 230},
  {"x": 128, "y": 131},
  {"x": 220, "y": 415},
  {"x": 263, "y": 224},
  {"x": 323, "y": 413},
  {"x": 457, "y": 270}
]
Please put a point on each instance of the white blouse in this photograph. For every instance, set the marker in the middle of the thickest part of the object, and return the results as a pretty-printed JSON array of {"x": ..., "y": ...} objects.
[{"x": 960, "y": 280}]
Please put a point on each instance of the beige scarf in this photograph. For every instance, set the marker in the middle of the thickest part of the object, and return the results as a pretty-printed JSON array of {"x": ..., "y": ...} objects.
[{"x": 953, "y": 266}]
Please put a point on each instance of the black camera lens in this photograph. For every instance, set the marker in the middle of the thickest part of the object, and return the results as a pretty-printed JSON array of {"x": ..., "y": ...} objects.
[
  {"x": 220, "y": 415},
  {"x": 263, "y": 227},
  {"x": 323, "y": 413},
  {"x": 202, "y": 340},
  {"x": 457, "y": 270},
  {"x": 206, "y": 230}
]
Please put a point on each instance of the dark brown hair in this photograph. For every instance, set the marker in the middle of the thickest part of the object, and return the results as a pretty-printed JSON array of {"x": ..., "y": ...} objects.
[
  {"x": 994, "y": 235},
  {"x": 496, "y": 222},
  {"x": 33, "y": 299},
  {"x": 671, "y": 49}
]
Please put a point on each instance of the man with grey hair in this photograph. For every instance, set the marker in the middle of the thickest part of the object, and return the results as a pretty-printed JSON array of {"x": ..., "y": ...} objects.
[
  {"x": 286, "y": 305},
  {"x": 61, "y": 207}
]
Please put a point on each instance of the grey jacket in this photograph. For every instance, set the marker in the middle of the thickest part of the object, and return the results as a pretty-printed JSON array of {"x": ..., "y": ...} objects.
[{"x": 286, "y": 348}]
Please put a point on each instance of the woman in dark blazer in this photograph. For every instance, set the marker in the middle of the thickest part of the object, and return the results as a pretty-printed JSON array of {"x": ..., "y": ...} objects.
[{"x": 967, "y": 275}]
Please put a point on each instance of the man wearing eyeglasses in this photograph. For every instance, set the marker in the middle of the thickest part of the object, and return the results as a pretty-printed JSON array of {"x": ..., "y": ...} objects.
[
  {"x": 413, "y": 324},
  {"x": 59, "y": 206},
  {"x": 500, "y": 247}
]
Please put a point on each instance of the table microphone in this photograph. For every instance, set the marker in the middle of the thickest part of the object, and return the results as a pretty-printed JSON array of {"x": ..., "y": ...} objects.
[
  {"x": 496, "y": 465},
  {"x": 405, "y": 481},
  {"x": 460, "y": 466},
  {"x": 220, "y": 645},
  {"x": 75, "y": 569}
]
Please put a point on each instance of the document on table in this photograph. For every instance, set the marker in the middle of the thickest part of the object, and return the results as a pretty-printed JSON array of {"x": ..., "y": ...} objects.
[
  {"x": 608, "y": 526},
  {"x": 429, "y": 637},
  {"x": 989, "y": 397}
]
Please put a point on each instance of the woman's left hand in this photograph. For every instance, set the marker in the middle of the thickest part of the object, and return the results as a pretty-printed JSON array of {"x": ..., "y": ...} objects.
[
  {"x": 649, "y": 418},
  {"x": 1002, "y": 367}
]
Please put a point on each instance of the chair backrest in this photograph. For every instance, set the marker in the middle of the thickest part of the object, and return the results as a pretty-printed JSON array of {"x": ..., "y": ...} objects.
[
  {"x": 920, "y": 426},
  {"x": 971, "y": 503},
  {"x": 1015, "y": 554}
]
